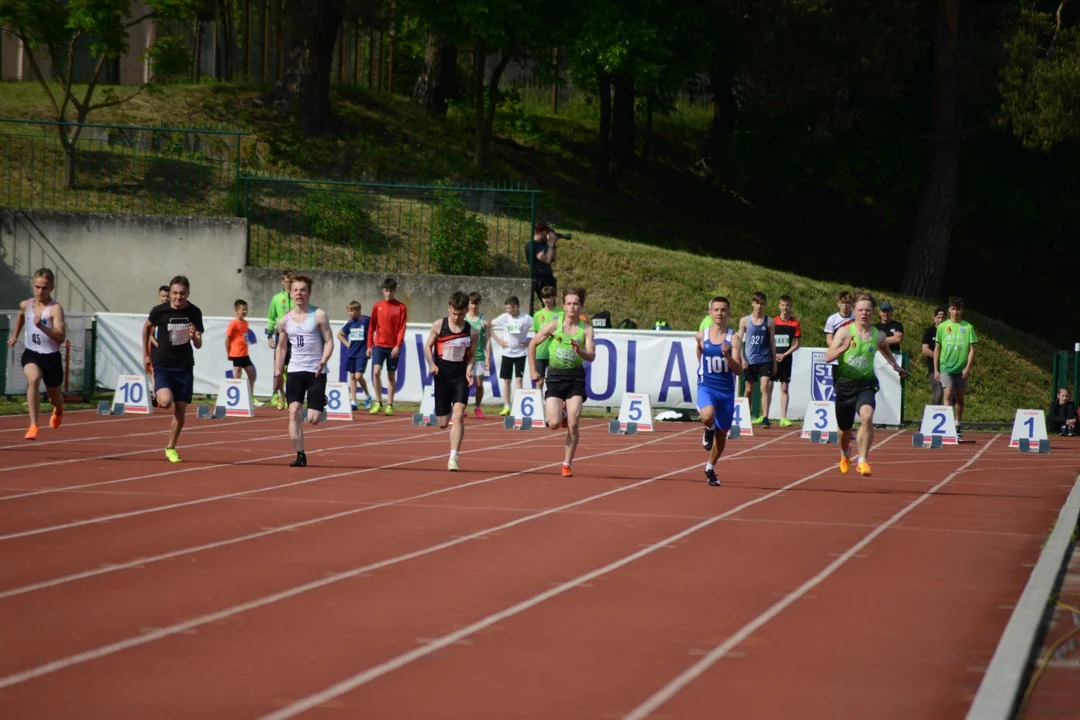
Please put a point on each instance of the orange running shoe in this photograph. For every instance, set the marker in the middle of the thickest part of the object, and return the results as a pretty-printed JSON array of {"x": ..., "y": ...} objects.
[
  {"x": 566, "y": 471},
  {"x": 31, "y": 434},
  {"x": 864, "y": 468},
  {"x": 56, "y": 419},
  {"x": 845, "y": 464}
]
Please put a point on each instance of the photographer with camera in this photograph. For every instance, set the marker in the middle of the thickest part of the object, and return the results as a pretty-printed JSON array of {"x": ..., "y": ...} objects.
[{"x": 541, "y": 252}]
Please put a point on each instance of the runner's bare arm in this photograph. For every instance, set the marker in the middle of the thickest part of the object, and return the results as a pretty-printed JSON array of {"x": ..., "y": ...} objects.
[
  {"x": 429, "y": 347},
  {"x": 470, "y": 355},
  {"x": 20, "y": 319},
  {"x": 589, "y": 353},
  {"x": 323, "y": 322},
  {"x": 883, "y": 348},
  {"x": 543, "y": 334},
  {"x": 839, "y": 345},
  {"x": 58, "y": 332},
  {"x": 734, "y": 355},
  {"x": 282, "y": 344}
]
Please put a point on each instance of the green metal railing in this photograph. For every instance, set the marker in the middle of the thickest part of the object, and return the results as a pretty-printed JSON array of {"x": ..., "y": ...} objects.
[
  {"x": 381, "y": 227},
  {"x": 301, "y": 223},
  {"x": 127, "y": 169},
  {"x": 1063, "y": 376}
]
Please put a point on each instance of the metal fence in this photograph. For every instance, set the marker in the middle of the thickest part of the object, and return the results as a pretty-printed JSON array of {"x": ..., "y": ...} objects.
[
  {"x": 119, "y": 168},
  {"x": 394, "y": 228},
  {"x": 311, "y": 224}
]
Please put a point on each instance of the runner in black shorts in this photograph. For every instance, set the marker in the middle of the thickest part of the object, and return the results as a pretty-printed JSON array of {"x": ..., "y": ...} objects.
[
  {"x": 44, "y": 335},
  {"x": 178, "y": 327},
  {"x": 449, "y": 351},
  {"x": 305, "y": 329},
  {"x": 787, "y": 336},
  {"x": 572, "y": 345}
]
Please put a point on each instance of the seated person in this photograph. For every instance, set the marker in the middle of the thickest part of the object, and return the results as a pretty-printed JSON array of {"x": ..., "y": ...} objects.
[{"x": 1063, "y": 414}]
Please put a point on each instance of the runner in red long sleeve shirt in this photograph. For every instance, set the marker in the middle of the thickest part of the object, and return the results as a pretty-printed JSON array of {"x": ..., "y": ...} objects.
[{"x": 386, "y": 335}]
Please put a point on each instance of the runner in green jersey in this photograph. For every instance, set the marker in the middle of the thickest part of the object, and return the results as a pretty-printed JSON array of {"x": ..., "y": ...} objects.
[
  {"x": 280, "y": 306},
  {"x": 855, "y": 384},
  {"x": 572, "y": 345},
  {"x": 542, "y": 317},
  {"x": 953, "y": 354},
  {"x": 475, "y": 318}
]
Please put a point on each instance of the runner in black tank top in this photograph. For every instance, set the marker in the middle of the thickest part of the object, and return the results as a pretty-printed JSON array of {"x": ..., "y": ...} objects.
[{"x": 449, "y": 351}]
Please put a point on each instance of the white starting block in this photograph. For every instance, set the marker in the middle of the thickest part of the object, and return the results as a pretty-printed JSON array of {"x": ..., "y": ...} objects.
[
  {"x": 526, "y": 410},
  {"x": 635, "y": 415},
  {"x": 938, "y": 428},
  {"x": 819, "y": 423},
  {"x": 426, "y": 416},
  {"x": 233, "y": 399},
  {"x": 338, "y": 404},
  {"x": 132, "y": 395},
  {"x": 741, "y": 421},
  {"x": 1029, "y": 432}
]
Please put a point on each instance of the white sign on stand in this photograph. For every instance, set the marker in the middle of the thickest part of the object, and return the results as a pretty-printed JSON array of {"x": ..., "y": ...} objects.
[
  {"x": 1029, "y": 425},
  {"x": 636, "y": 408},
  {"x": 133, "y": 394},
  {"x": 234, "y": 395}
]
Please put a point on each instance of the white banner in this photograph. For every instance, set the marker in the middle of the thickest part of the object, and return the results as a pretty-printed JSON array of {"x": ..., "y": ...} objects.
[{"x": 662, "y": 364}]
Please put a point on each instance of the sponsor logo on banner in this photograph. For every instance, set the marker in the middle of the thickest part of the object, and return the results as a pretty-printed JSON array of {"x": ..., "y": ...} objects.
[{"x": 822, "y": 388}]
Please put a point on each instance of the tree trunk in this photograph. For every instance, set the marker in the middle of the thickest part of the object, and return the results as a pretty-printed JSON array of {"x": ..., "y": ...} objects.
[
  {"x": 724, "y": 109},
  {"x": 435, "y": 84},
  {"x": 306, "y": 83},
  {"x": 937, "y": 202},
  {"x": 603, "y": 163},
  {"x": 485, "y": 117},
  {"x": 622, "y": 124}
]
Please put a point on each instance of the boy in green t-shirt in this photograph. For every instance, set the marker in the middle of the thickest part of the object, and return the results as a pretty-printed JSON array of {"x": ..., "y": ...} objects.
[
  {"x": 542, "y": 317},
  {"x": 280, "y": 306},
  {"x": 953, "y": 355}
]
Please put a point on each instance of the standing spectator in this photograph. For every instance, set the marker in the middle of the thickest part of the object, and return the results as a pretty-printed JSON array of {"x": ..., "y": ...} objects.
[
  {"x": 929, "y": 342},
  {"x": 759, "y": 354},
  {"x": 787, "y": 334},
  {"x": 482, "y": 351},
  {"x": 386, "y": 335},
  {"x": 541, "y": 252},
  {"x": 1063, "y": 414},
  {"x": 837, "y": 320},
  {"x": 354, "y": 337},
  {"x": 953, "y": 356},
  {"x": 892, "y": 329},
  {"x": 236, "y": 347},
  {"x": 511, "y": 330},
  {"x": 280, "y": 305}
]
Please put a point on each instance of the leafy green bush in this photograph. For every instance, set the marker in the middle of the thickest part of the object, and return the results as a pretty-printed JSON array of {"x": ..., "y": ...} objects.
[
  {"x": 459, "y": 244},
  {"x": 337, "y": 217}
]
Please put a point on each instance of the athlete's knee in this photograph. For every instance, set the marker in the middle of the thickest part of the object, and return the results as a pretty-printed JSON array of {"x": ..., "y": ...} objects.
[{"x": 443, "y": 422}]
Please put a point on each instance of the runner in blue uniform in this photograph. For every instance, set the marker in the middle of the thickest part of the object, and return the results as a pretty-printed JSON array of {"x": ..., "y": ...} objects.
[{"x": 720, "y": 350}]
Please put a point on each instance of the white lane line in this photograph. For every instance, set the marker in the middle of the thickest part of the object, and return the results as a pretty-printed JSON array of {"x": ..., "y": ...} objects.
[
  {"x": 196, "y": 622},
  {"x": 394, "y": 440},
  {"x": 377, "y": 671},
  {"x": 241, "y": 493},
  {"x": 668, "y": 691}
]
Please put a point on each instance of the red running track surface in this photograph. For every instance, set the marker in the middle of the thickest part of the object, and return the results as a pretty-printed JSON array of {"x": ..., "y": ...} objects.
[{"x": 375, "y": 584}]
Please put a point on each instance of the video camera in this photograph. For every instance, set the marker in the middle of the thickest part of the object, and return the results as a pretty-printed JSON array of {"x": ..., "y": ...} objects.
[{"x": 563, "y": 236}]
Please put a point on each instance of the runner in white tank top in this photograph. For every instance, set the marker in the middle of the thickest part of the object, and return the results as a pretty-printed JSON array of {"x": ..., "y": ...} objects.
[
  {"x": 41, "y": 322},
  {"x": 306, "y": 331}
]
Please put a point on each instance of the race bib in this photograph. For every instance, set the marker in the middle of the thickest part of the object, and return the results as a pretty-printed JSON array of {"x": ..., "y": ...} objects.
[
  {"x": 356, "y": 334},
  {"x": 179, "y": 332},
  {"x": 782, "y": 341},
  {"x": 567, "y": 354},
  {"x": 453, "y": 353},
  {"x": 514, "y": 328}
]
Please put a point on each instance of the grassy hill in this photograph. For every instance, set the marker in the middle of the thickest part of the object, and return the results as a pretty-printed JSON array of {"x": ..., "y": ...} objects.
[{"x": 640, "y": 249}]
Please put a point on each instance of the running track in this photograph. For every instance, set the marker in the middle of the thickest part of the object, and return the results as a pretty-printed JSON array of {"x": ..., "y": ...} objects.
[{"x": 374, "y": 584}]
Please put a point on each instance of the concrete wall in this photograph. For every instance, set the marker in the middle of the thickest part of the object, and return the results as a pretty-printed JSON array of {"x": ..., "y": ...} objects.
[{"x": 115, "y": 263}]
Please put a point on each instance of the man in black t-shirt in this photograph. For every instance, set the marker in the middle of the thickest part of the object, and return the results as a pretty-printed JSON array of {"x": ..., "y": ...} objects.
[
  {"x": 177, "y": 325},
  {"x": 540, "y": 253},
  {"x": 929, "y": 342},
  {"x": 893, "y": 330}
]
